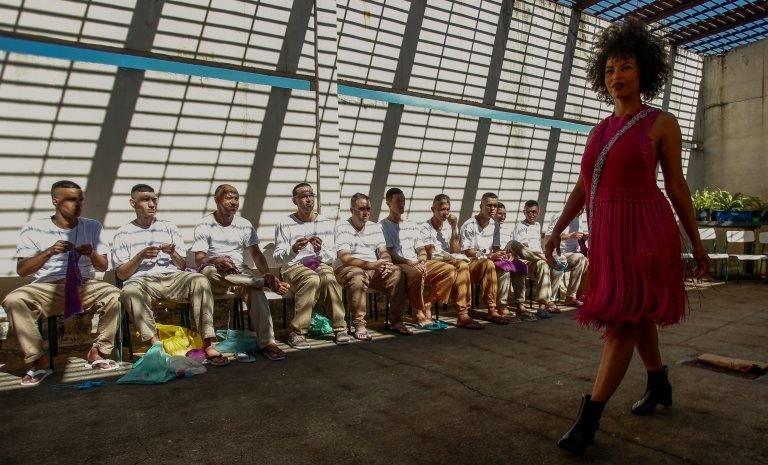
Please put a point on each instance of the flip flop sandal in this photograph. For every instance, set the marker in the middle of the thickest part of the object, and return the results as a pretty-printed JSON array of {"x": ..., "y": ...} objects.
[
  {"x": 499, "y": 320},
  {"x": 37, "y": 377},
  {"x": 216, "y": 360},
  {"x": 432, "y": 326},
  {"x": 273, "y": 353},
  {"x": 363, "y": 335},
  {"x": 401, "y": 329},
  {"x": 471, "y": 324},
  {"x": 243, "y": 357},
  {"x": 98, "y": 364}
]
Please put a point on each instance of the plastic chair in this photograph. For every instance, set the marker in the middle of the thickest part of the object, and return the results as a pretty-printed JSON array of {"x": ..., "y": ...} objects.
[{"x": 747, "y": 238}]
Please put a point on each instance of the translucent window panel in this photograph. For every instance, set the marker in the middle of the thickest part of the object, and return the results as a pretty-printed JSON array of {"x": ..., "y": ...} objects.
[
  {"x": 566, "y": 170},
  {"x": 533, "y": 57},
  {"x": 51, "y": 113},
  {"x": 87, "y": 21},
  {"x": 188, "y": 135},
  {"x": 454, "y": 49},
  {"x": 360, "y": 128},
  {"x": 684, "y": 95},
  {"x": 513, "y": 165},
  {"x": 582, "y": 102},
  {"x": 246, "y": 33},
  {"x": 370, "y": 37}
]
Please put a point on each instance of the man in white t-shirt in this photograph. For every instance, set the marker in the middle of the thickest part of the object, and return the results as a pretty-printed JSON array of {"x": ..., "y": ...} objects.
[
  {"x": 149, "y": 255},
  {"x": 477, "y": 242},
  {"x": 442, "y": 245},
  {"x": 571, "y": 251},
  {"x": 44, "y": 251},
  {"x": 526, "y": 244},
  {"x": 304, "y": 247},
  {"x": 363, "y": 261},
  {"x": 221, "y": 240},
  {"x": 511, "y": 285}
]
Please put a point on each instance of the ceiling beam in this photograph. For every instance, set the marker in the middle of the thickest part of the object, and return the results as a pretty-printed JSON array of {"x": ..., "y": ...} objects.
[
  {"x": 660, "y": 9},
  {"x": 584, "y": 4},
  {"x": 729, "y": 20}
]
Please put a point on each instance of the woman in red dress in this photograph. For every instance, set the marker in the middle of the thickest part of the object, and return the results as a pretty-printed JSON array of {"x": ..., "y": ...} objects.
[{"x": 636, "y": 271}]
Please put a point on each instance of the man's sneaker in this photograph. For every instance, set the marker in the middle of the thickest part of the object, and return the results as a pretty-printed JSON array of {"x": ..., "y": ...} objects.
[
  {"x": 527, "y": 316},
  {"x": 342, "y": 338},
  {"x": 543, "y": 313},
  {"x": 297, "y": 341}
]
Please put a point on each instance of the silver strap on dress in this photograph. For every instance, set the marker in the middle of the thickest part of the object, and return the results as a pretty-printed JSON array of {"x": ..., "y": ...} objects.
[{"x": 601, "y": 160}]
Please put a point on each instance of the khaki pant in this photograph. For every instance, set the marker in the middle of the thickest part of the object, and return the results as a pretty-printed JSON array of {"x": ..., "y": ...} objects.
[
  {"x": 577, "y": 267},
  {"x": 33, "y": 301},
  {"x": 310, "y": 287},
  {"x": 460, "y": 287},
  {"x": 255, "y": 300},
  {"x": 538, "y": 270},
  {"x": 511, "y": 287},
  {"x": 441, "y": 277},
  {"x": 182, "y": 286},
  {"x": 483, "y": 272},
  {"x": 357, "y": 280}
]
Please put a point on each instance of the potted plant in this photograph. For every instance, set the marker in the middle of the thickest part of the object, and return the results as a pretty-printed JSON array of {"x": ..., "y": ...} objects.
[
  {"x": 757, "y": 207},
  {"x": 702, "y": 203},
  {"x": 729, "y": 207}
]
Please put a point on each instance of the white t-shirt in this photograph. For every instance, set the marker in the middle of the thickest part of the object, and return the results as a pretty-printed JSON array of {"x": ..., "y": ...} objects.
[
  {"x": 40, "y": 234},
  {"x": 577, "y": 224},
  {"x": 131, "y": 239},
  {"x": 290, "y": 230},
  {"x": 360, "y": 244},
  {"x": 403, "y": 238},
  {"x": 217, "y": 240},
  {"x": 528, "y": 234},
  {"x": 503, "y": 234},
  {"x": 475, "y": 237},
  {"x": 441, "y": 239}
]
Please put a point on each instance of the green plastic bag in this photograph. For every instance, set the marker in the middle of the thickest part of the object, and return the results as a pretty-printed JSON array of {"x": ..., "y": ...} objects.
[
  {"x": 235, "y": 341},
  {"x": 152, "y": 368},
  {"x": 319, "y": 325}
]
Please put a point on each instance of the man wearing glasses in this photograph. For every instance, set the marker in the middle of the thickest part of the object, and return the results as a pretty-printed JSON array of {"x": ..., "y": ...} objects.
[
  {"x": 358, "y": 242},
  {"x": 304, "y": 246}
]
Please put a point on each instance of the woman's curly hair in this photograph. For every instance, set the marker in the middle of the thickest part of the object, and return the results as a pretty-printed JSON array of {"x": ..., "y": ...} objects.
[{"x": 629, "y": 39}]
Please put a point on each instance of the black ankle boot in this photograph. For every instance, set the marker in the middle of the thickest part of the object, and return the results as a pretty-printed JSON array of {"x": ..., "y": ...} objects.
[
  {"x": 658, "y": 391},
  {"x": 582, "y": 433}
]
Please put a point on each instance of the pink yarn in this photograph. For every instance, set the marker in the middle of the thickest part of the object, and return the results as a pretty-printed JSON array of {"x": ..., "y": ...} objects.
[{"x": 74, "y": 280}]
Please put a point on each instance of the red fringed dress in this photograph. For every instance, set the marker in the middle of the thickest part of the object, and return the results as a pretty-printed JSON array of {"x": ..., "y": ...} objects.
[{"x": 635, "y": 270}]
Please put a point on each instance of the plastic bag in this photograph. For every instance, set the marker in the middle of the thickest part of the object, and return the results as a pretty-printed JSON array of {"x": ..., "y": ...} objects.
[
  {"x": 178, "y": 340},
  {"x": 152, "y": 368},
  {"x": 185, "y": 367},
  {"x": 237, "y": 341},
  {"x": 319, "y": 325}
]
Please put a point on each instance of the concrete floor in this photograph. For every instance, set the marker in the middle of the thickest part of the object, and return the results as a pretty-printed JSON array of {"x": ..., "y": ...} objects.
[{"x": 499, "y": 396}]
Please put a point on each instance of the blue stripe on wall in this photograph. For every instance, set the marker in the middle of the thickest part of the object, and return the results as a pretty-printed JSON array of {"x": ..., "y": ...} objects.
[
  {"x": 124, "y": 60},
  {"x": 462, "y": 109}
]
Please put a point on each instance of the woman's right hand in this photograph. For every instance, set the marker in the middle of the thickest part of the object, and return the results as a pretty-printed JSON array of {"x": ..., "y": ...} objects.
[
  {"x": 552, "y": 246},
  {"x": 701, "y": 256}
]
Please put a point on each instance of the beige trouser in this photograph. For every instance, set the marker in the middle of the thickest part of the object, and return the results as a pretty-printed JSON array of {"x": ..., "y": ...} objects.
[
  {"x": 577, "y": 267},
  {"x": 33, "y": 301},
  {"x": 483, "y": 272},
  {"x": 460, "y": 288},
  {"x": 441, "y": 277},
  {"x": 181, "y": 286},
  {"x": 538, "y": 270},
  {"x": 511, "y": 287},
  {"x": 310, "y": 287},
  {"x": 357, "y": 280},
  {"x": 258, "y": 305}
]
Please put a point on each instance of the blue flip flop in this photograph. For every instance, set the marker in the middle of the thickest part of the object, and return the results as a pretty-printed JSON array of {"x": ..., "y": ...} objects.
[{"x": 434, "y": 326}]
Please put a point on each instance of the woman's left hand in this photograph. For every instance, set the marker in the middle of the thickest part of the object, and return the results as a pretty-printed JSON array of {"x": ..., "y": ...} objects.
[
  {"x": 552, "y": 246},
  {"x": 701, "y": 256}
]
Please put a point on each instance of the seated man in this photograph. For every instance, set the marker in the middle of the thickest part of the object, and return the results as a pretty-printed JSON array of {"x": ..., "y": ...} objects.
[
  {"x": 477, "y": 237},
  {"x": 148, "y": 254},
  {"x": 570, "y": 248},
  {"x": 221, "y": 239},
  {"x": 526, "y": 244},
  {"x": 511, "y": 284},
  {"x": 304, "y": 246},
  {"x": 357, "y": 267},
  {"x": 440, "y": 235},
  {"x": 49, "y": 249}
]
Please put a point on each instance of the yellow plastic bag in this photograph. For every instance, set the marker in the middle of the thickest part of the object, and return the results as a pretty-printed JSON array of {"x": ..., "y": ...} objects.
[{"x": 178, "y": 340}]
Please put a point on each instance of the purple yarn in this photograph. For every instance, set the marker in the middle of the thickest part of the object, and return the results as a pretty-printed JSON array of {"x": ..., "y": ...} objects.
[
  {"x": 583, "y": 246},
  {"x": 512, "y": 266},
  {"x": 313, "y": 263},
  {"x": 72, "y": 303}
]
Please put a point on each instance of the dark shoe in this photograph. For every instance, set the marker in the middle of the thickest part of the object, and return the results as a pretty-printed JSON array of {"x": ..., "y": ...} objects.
[
  {"x": 582, "y": 433},
  {"x": 297, "y": 341},
  {"x": 658, "y": 391}
]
